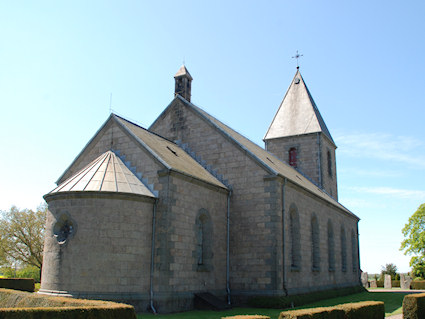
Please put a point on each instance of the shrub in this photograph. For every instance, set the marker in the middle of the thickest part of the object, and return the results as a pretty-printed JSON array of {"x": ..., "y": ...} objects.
[
  {"x": 358, "y": 310},
  {"x": 27, "y": 272},
  {"x": 247, "y": 317},
  {"x": 23, "y": 284},
  {"x": 418, "y": 285},
  {"x": 395, "y": 283},
  {"x": 282, "y": 302},
  {"x": 414, "y": 306}
]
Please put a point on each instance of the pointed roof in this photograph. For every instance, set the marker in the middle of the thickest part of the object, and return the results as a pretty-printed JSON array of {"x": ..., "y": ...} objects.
[
  {"x": 183, "y": 71},
  {"x": 107, "y": 173},
  {"x": 297, "y": 114},
  {"x": 265, "y": 159}
]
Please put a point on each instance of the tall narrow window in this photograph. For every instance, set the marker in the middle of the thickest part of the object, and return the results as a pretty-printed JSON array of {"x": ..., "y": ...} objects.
[
  {"x": 331, "y": 247},
  {"x": 353, "y": 251},
  {"x": 293, "y": 157},
  {"x": 315, "y": 244},
  {"x": 343, "y": 250},
  {"x": 295, "y": 239},
  {"x": 329, "y": 164},
  {"x": 203, "y": 234}
]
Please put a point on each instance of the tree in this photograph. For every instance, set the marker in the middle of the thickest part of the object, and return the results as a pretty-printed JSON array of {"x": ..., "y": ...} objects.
[
  {"x": 389, "y": 269},
  {"x": 414, "y": 242},
  {"x": 22, "y": 236}
]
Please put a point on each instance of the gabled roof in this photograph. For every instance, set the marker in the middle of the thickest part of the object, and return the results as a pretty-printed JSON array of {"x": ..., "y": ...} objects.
[
  {"x": 265, "y": 159},
  {"x": 168, "y": 153},
  {"x": 107, "y": 173},
  {"x": 183, "y": 71},
  {"x": 297, "y": 114}
]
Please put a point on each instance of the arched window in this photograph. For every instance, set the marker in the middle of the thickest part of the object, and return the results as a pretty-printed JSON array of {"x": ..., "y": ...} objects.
[
  {"x": 329, "y": 164},
  {"x": 331, "y": 247},
  {"x": 295, "y": 238},
  {"x": 343, "y": 250},
  {"x": 292, "y": 157},
  {"x": 315, "y": 244},
  {"x": 203, "y": 233},
  {"x": 353, "y": 251}
]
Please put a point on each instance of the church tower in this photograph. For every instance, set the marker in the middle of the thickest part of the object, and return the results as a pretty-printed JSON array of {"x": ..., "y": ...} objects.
[
  {"x": 298, "y": 135},
  {"x": 183, "y": 85}
]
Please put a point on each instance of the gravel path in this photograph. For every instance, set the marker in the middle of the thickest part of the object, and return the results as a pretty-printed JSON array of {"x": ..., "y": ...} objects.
[{"x": 400, "y": 316}]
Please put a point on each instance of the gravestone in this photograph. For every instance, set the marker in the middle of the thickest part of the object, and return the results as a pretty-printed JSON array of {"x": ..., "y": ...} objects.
[
  {"x": 373, "y": 284},
  {"x": 365, "y": 280},
  {"x": 387, "y": 282},
  {"x": 405, "y": 282}
]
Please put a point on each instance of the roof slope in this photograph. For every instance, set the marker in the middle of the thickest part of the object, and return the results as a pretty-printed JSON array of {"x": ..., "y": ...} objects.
[
  {"x": 265, "y": 159},
  {"x": 107, "y": 173},
  {"x": 297, "y": 114},
  {"x": 169, "y": 153}
]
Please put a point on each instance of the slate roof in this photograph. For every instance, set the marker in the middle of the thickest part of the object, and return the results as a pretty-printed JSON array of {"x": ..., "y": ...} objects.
[
  {"x": 267, "y": 160},
  {"x": 297, "y": 114},
  {"x": 107, "y": 173},
  {"x": 169, "y": 153}
]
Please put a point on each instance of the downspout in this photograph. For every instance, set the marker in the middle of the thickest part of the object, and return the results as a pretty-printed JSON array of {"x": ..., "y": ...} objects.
[
  {"x": 319, "y": 164},
  {"x": 358, "y": 255},
  {"x": 153, "y": 255},
  {"x": 228, "y": 249},
  {"x": 283, "y": 238}
]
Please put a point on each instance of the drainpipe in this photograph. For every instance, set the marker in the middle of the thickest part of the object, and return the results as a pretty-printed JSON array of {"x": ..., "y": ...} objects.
[
  {"x": 228, "y": 249},
  {"x": 358, "y": 255},
  {"x": 153, "y": 255},
  {"x": 283, "y": 238}
]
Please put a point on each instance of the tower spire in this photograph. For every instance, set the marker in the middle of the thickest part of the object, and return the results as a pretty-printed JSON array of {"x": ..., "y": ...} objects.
[{"x": 183, "y": 83}]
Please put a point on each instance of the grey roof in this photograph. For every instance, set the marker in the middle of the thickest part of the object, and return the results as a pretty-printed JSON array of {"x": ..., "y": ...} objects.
[
  {"x": 183, "y": 71},
  {"x": 169, "y": 153},
  {"x": 271, "y": 163},
  {"x": 297, "y": 114},
  {"x": 107, "y": 173}
]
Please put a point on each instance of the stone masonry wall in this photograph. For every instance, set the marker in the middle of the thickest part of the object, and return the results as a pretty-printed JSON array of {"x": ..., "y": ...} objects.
[
  {"x": 305, "y": 279},
  {"x": 255, "y": 260},
  {"x": 109, "y": 252}
]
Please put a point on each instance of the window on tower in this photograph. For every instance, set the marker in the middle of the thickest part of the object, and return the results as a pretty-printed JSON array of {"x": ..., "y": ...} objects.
[
  {"x": 329, "y": 164},
  {"x": 293, "y": 157}
]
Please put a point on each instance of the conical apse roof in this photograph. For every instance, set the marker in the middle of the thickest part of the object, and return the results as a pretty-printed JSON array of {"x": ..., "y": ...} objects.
[{"x": 107, "y": 173}]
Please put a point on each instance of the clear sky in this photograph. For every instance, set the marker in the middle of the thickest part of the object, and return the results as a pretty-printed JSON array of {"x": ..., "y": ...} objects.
[{"x": 363, "y": 62}]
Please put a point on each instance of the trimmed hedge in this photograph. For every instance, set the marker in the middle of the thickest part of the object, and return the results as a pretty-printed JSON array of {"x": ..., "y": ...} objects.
[
  {"x": 18, "y": 304},
  {"x": 358, "y": 310},
  {"x": 418, "y": 285},
  {"x": 394, "y": 283},
  {"x": 414, "y": 306},
  {"x": 282, "y": 302},
  {"x": 23, "y": 284},
  {"x": 247, "y": 317}
]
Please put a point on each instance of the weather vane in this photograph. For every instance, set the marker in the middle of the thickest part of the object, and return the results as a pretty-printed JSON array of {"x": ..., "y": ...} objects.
[{"x": 297, "y": 56}]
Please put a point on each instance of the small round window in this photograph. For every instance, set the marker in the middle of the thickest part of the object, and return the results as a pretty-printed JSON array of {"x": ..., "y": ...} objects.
[{"x": 64, "y": 228}]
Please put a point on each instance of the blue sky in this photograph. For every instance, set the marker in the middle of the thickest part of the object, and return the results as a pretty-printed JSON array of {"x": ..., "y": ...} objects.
[{"x": 363, "y": 62}]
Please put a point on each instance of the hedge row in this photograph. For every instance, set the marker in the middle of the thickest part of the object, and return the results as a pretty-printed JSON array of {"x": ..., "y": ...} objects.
[
  {"x": 281, "y": 302},
  {"x": 17, "y": 304},
  {"x": 23, "y": 284},
  {"x": 414, "y": 306},
  {"x": 247, "y": 317},
  {"x": 418, "y": 285},
  {"x": 358, "y": 310},
  {"x": 394, "y": 283}
]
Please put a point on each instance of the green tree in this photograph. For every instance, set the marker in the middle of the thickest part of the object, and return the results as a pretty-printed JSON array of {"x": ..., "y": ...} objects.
[
  {"x": 414, "y": 242},
  {"x": 22, "y": 236},
  {"x": 389, "y": 269}
]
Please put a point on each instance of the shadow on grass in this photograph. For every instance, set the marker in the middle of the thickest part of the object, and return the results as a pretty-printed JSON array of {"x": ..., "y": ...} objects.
[{"x": 392, "y": 300}]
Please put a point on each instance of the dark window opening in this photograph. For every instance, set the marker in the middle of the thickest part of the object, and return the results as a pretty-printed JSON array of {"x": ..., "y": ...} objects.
[{"x": 293, "y": 157}]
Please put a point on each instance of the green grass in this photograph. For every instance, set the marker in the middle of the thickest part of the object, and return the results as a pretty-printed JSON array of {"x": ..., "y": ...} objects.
[{"x": 393, "y": 305}]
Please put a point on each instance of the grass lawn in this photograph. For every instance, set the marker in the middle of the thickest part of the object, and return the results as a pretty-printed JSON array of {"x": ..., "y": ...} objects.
[{"x": 393, "y": 302}]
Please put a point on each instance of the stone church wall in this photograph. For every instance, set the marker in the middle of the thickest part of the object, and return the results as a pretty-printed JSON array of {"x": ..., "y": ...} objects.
[
  {"x": 108, "y": 253},
  {"x": 254, "y": 248},
  {"x": 304, "y": 278}
]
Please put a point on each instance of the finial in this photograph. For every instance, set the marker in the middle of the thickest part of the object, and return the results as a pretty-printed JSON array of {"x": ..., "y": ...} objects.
[{"x": 297, "y": 56}]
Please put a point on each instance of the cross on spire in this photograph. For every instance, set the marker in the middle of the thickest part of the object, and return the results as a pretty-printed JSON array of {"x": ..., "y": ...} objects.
[{"x": 297, "y": 56}]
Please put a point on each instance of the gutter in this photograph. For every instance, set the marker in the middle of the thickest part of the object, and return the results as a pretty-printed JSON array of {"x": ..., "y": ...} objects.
[
  {"x": 283, "y": 238},
  {"x": 228, "y": 249},
  {"x": 153, "y": 255}
]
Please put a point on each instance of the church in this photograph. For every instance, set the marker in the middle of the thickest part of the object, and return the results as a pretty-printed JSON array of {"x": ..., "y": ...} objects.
[{"x": 153, "y": 216}]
